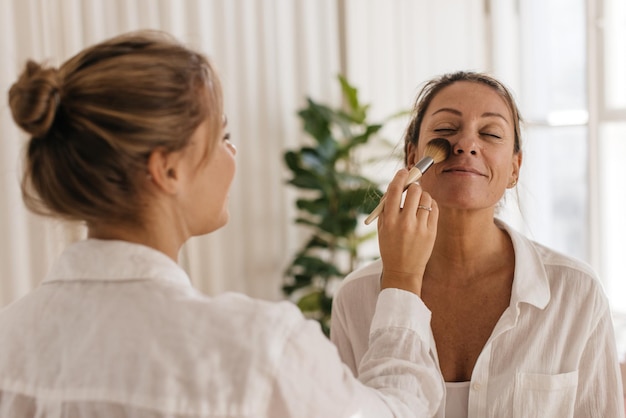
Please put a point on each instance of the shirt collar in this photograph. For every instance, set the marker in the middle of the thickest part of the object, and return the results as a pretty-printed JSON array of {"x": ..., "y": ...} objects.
[
  {"x": 530, "y": 280},
  {"x": 113, "y": 260}
]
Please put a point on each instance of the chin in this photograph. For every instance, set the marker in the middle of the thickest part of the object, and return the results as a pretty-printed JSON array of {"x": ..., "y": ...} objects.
[{"x": 215, "y": 224}]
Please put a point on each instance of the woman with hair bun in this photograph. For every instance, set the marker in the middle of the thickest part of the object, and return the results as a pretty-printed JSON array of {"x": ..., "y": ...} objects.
[{"x": 129, "y": 137}]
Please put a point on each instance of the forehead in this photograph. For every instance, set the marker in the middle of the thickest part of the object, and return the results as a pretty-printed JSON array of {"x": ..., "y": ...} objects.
[{"x": 469, "y": 96}]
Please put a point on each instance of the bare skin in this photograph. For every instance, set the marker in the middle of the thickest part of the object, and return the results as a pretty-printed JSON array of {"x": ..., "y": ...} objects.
[
  {"x": 468, "y": 278},
  {"x": 402, "y": 230},
  {"x": 467, "y": 289}
]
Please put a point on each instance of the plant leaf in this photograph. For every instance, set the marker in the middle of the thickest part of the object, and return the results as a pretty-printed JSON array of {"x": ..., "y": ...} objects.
[
  {"x": 310, "y": 302},
  {"x": 306, "y": 180},
  {"x": 350, "y": 93},
  {"x": 315, "y": 207},
  {"x": 317, "y": 119}
]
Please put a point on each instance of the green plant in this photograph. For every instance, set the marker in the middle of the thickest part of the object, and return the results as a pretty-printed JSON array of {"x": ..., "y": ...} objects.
[{"x": 334, "y": 194}]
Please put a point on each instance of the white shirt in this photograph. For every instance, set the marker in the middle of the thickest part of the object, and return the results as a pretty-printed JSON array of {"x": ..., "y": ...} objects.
[
  {"x": 116, "y": 330},
  {"x": 551, "y": 354}
]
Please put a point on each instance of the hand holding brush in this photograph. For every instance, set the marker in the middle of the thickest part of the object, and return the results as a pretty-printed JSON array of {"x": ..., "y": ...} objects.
[{"x": 437, "y": 150}]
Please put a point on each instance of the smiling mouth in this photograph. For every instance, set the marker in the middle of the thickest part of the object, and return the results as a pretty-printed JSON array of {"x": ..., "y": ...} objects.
[{"x": 468, "y": 171}]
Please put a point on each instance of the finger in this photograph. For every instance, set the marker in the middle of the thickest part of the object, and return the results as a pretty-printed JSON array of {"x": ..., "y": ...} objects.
[
  {"x": 412, "y": 199},
  {"x": 433, "y": 217},
  {"x": 424, "y": 208},
  {"x": 394, "y": 193}
]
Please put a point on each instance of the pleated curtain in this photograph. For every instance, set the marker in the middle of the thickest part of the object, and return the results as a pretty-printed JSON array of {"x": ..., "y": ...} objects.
[{"x": 271, "y": 55}]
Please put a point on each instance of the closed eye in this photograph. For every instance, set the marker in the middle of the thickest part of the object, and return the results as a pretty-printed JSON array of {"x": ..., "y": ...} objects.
[{"x": 492, "y": 135}]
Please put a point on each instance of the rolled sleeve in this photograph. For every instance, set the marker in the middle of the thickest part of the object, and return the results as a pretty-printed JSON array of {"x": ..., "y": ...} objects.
[
  {"x": 401, "y": 309},
  {"x": 398, "y": 376}
]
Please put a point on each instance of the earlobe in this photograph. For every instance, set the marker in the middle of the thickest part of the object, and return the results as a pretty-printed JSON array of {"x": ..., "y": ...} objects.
[
  {"x": 517, "y": 163},
  {"x": 162, "y": 170}
]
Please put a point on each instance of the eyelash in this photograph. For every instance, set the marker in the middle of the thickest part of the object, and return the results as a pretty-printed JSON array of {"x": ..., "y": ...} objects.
[
  {"x": 447, "y": 130},
  {"x": 227, "y": 137},
  {"x": 492, "y": 135}
]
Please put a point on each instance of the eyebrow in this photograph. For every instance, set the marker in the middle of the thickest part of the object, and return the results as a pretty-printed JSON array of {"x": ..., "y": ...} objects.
[
  {"x": 447, "y": 109},
  {"x": 458, "y": 113}
]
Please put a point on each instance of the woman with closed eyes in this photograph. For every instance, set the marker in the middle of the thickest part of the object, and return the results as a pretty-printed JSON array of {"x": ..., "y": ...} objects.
[{"x": 519, "y": 330}]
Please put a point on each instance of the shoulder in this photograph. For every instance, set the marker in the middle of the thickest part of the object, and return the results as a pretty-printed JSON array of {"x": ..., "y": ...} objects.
[
  {"x": 272, "y": 317},
  {"x": 564, "y": 278},
  {"x": 362, "y": 281},
  {"x": 535, "y": 257},
  {"x": 367, "y": 275},
  {"x": 565, "y": 265},
  {"x": 248, "y": 335},
  {"x": 575, "y": 290},
  {"x": 359, "y": 290},
  {"x": 573, "y": 279}
]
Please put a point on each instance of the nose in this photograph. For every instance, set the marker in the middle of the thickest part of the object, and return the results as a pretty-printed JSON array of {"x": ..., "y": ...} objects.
[{"x": 465, "y": 144}]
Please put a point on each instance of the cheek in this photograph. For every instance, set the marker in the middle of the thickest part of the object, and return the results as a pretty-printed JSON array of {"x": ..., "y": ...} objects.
[
  {"x": 411, "y": 155},
  {"x": 225, "y": 175},
  {"x": 231, "y": 167},
  {"x": 430, "y": 182},
  {"x": 510, "y": 168}
]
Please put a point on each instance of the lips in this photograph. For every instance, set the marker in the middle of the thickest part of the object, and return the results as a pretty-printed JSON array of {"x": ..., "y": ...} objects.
[{"x": 462, "y": 169}]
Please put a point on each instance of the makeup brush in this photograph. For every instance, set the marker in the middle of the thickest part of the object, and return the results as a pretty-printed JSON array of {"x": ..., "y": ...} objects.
[{"x": 436, "y": 151}]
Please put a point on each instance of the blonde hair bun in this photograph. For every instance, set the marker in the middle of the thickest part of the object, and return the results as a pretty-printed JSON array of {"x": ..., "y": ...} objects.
[{"x": 34, "y": 98}]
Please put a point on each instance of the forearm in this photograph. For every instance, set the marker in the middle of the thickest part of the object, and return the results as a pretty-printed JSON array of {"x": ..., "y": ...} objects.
[
  {"x": 399, "y": 377},
  {"x": 399, "y": 361}
]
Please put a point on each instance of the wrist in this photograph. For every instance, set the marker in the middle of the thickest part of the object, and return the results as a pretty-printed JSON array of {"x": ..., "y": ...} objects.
[{"x": 411, "y": 282}]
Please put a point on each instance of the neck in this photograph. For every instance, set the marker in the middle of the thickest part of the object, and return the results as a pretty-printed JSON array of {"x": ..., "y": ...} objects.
[
  {"x": 468, "y": 247},
  {"x": 157, "y": 231}
]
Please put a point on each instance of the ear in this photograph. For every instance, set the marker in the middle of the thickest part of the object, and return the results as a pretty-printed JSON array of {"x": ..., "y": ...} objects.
[
  {"x": 411, "y": 154},
  {"x": 516, "y": 164},
  {"x": 164, "y": 171}
]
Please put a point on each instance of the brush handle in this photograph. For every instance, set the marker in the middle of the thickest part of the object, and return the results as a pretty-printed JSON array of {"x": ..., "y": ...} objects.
[{"x": 415, "y": 174}]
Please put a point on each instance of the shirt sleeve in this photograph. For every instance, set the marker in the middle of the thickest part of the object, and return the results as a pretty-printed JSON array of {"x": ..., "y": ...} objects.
[
  {"x": 354, "y": 306},
  {"x": 397, "y": 376},
  {"x": 600, "y": 392},
  {"x": 339, "y": 333}
]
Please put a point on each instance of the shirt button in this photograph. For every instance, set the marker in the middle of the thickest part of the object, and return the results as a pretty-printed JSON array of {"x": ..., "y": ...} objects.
[{"x": 476, "y": 386}]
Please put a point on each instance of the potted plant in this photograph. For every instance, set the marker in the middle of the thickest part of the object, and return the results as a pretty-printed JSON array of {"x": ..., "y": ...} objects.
[{"x": 334, "y": 194}]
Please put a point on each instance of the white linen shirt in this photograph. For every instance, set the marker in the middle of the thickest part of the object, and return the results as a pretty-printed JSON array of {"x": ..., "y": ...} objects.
[
  {"x": 117, "y": 330},
  {"x": 551, "y": 354}
]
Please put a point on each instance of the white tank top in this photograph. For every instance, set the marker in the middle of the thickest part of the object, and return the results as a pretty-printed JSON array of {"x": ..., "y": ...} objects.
[{"x": 457, "y": 398}]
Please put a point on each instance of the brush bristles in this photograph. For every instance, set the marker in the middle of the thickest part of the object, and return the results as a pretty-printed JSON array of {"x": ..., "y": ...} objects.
[{"x": 438, "y": 149}]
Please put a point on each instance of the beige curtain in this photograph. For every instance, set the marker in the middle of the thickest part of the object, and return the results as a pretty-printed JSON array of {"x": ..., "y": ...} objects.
[{"x": 271, "y": 54}]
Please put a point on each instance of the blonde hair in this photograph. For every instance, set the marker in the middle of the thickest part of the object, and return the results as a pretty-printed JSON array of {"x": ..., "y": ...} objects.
[{"x": 95, "y": 121}]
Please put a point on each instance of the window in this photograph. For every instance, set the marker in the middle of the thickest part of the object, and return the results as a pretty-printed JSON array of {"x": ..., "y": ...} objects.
[
  {"x": 609, "y": 48},
  {"x": 567, "y": 62},
  {"x": 549, "y": 79}
]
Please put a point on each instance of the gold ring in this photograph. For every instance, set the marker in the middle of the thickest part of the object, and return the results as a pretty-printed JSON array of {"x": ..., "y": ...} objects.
[{"x": 424, "y": 207}]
